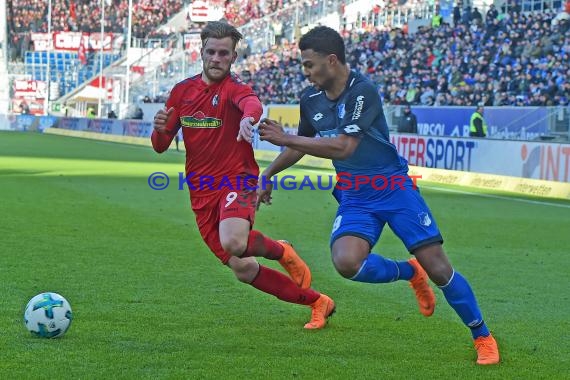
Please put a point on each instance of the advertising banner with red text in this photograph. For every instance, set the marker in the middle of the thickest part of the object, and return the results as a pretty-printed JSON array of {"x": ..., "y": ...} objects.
[{"x": 537, "y": 160}]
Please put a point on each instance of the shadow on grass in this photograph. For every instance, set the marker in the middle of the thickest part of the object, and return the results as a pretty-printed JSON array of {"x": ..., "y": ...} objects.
[{"x": 31, "y": 144}]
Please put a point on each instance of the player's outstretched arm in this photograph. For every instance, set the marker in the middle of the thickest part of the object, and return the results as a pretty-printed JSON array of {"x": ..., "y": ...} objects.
[
  {"x": 246, "y": 129},
  {"x": 166, "y": 127},
  {"x": 337, "y": 148},
  {"x": 252, "y": 110}
]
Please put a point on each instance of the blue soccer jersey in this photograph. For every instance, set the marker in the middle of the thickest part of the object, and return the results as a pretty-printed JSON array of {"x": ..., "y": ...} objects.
[
  {"x": 383, "y": 193},
  {"x": 357, "y": 112}
]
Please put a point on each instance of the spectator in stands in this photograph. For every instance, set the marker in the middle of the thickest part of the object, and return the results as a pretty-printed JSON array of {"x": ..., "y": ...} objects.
[
  {"x": 65, "y": 110},
  {"x": 436, "y": 21},
  {"x": 456, "y": 15},
  {"x": 139, "y": 114},
  {"x": 478, "y": 126},
  {"x": 24, "y": 108},
  {"x": 91, "y": 113},
  {"x": 492, "y": 14},
  {"x": 476, "y": 16},
  {"x": 408, "y": 122},
  {"x": 111, "y": 115},
  {"x": 466, "y": 18}
]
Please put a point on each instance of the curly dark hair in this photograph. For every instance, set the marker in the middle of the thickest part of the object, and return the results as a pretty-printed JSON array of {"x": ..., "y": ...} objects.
[{"x": 325, "y": 41}]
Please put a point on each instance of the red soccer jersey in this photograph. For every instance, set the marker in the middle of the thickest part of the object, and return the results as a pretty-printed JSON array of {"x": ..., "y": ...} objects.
[{"x": 209, "y": 116}]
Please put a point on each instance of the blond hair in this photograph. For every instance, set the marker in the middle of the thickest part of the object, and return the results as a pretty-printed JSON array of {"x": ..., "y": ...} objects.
[{"x": 219, "y": 30}]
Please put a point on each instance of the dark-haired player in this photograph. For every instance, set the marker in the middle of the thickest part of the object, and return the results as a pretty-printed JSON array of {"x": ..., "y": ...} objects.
[{"x": 345, "y": 110}]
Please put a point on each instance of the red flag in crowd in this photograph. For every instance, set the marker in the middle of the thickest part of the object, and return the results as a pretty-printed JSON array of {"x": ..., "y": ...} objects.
[
  {"x": 72, "y": 11},
  {"x": 138, "y": 69},
  {"x": 82, "y": 53}
]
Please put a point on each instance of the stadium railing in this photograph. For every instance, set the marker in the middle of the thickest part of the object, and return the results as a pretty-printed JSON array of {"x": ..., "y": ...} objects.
[{"x": 527, "y": 6}]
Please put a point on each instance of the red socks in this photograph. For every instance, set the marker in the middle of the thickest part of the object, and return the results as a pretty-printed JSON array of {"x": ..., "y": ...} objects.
[
  {"x": 259, "y": 245},
  {"x": 276, "y": 283},
  {"x": 271, "y": 281}
]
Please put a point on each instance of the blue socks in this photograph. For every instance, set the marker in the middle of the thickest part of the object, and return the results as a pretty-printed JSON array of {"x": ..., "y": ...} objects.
[
  {"x": 376, "y": 269},
  {"x": 457, "y": 292},
  {"x": 460, "y": 297}
]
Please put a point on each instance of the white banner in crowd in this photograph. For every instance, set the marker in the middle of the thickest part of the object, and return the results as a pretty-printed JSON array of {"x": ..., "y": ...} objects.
[{"x": 70, "y": 41}]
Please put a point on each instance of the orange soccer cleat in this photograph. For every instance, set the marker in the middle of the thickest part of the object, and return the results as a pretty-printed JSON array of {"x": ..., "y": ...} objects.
[
  {"x": 424, "y": 293},
  {"x": 487, "y": 350},
  {"x": 295, "y": 266},
  {"x": 323, "y": 308}
]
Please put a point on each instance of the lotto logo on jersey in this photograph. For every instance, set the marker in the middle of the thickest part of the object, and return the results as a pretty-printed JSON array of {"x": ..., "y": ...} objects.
[
  {"x": 199, "y": 120},
  {"x": 358, "y": 107},
  {"x": 352, "y": 128}
]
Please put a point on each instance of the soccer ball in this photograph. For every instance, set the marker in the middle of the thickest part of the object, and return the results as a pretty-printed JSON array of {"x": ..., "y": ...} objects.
[{"x": 48, "y": 315}]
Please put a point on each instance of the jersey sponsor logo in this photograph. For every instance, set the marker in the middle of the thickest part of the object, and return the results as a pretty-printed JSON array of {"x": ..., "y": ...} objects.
[
  {"x": 318, "y": 117},
  {"x": 425, "y": 220},
  {"x": 358, "y": 107},
  {"x": 341, "y": 110},
  {"x": 352, "y": 128},
  {"x": 199, "y": 120},
  {"x": 215, "y": 100}
]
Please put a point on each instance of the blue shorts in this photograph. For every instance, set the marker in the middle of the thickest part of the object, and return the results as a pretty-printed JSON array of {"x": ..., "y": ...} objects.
[{"x": 404, "y": 209}]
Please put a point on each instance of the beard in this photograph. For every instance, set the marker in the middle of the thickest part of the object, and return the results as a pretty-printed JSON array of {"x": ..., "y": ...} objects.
[
  {"x": 324, "y": 85},
  {"x": 215, "y": 75}
]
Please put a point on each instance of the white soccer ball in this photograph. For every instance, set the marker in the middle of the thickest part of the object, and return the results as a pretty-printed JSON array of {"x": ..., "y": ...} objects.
[{"x": 48, "y": 315}]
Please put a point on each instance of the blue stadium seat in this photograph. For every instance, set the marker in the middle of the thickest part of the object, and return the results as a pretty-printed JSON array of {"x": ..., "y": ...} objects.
[{"x": 64, "y": 68}]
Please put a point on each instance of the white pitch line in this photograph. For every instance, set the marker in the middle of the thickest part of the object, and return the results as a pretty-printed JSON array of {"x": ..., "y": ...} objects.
[{"x": 495, "y": 196}]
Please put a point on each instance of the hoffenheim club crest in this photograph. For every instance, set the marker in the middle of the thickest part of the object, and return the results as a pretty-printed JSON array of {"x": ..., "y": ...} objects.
[
  {"x": 424, "y": 219},
  {"x": 341, "y": 110}
]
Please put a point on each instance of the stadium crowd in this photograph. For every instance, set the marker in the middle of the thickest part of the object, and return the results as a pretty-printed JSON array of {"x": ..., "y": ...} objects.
[
  {"x": 25, "y": 16},
  {"x": 502, "y": 59},
  {"x": 30, "y": 16},
  {"x": 241, "y": 12}
]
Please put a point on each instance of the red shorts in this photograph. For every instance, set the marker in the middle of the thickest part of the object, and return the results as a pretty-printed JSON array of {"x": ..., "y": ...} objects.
[{"x": 223, "y": 204}]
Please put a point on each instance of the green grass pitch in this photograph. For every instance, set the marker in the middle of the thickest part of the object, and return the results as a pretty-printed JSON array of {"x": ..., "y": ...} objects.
[{"x": 150, "y": 301}]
